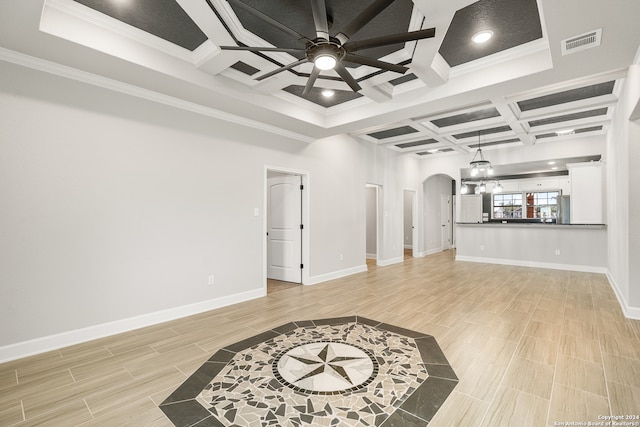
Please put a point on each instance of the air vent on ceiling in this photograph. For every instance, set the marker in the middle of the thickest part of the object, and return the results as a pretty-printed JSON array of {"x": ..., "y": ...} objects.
[{"x": 582, "y": 42}]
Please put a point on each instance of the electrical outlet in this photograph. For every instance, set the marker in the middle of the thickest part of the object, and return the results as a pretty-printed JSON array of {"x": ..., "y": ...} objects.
[
  {"x": 482, "y": 247},
  {"x": 211, "y": 280},
  {"x": 557, "y": 251},
  {"x": 341, "y": 257}
]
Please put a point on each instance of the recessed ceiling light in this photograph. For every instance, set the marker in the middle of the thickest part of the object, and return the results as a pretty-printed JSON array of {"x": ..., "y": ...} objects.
[
  {"x": 554, "y": 168},
  {"x": 434, "y": 150},
  {"x": 564, "y": 132},
  {"x": 551, "y": 163},
  {"x": 482, "y": 36},
  {"x": 328, "y": 93}
]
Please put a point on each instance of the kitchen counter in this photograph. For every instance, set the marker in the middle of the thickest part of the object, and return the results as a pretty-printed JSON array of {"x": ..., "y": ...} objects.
[
  {"x": 531, "y": 224},
  {"x": 578, "y": 247}
]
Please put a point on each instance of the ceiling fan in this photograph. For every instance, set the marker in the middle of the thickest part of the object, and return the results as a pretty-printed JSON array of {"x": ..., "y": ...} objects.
[{"x": 329, "y": 52}]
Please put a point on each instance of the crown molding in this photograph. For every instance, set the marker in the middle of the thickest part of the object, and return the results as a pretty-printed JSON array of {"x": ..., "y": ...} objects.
[{"x": 32, "y": 62}]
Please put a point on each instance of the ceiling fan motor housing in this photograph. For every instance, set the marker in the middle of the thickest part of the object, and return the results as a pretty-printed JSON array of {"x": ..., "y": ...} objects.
[{"x": 321, "y": 47}]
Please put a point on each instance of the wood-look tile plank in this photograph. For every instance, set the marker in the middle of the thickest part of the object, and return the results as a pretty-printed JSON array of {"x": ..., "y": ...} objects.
[
  {"x": 39, "y": 401},
  {"x": 538, "y": 350},
  {"x": 571, "y": 404},
  {"x": 624, "y": 398},
  {"x": 11, "y": 414},
  {"x": 141, "y": 412},
  {"x": 459, "y": 410},
  {"x": 110, "y": 364},
  {"x": 580, "y": 329},
  {"x": 72, "y": 414},
  {"x": 543, "y": 330},
  {"x": 8, "y": 378},
  {"x": 514, "y": 408},
  {"x": 580, "y": 374},
  {"x": 581, "y": 348},
  {"x": 101, "y": 403},
  {"x": 620, "y": 346},
  {"x": 530, "y": 377},
  {"x": 622, "y": 369}
]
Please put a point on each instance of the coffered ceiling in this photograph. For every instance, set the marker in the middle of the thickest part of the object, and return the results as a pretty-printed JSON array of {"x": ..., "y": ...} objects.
[{"x": 551, "y": 71}]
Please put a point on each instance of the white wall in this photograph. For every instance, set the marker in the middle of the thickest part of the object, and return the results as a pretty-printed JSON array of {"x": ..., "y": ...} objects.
[
  {"x": 623, "y": 197},
  {"x": 113, "y": 208}
]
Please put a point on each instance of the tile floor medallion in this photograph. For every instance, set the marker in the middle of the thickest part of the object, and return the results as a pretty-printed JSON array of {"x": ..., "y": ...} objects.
[{"x": 333, "y": 372}]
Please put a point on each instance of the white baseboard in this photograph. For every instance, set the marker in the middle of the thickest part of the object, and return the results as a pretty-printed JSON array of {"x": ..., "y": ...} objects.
[
  {"x": 385, "y": 262},
  {"x": 521, "y": 263},
  {"x": 336, "y": 274},
  {"x": 372, "y": 256},
  {"x": 65, "y": 339},
  {"x": 630, "y": 312},
  {"x": 408, "y": 246},
  {"x": 433, "y": 251}
]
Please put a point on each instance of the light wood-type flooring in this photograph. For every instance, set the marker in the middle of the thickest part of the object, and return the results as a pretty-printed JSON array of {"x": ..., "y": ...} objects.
[{"x": 531, "y": 347}]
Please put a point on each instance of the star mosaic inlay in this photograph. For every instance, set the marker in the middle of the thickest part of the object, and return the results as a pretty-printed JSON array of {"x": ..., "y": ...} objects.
[{"x": 333, "y": 372}]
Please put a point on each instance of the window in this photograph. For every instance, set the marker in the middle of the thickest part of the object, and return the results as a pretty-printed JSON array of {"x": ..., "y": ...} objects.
[
  {"x": 507, "y": 205},
  {"x": 542, "y": 205}
]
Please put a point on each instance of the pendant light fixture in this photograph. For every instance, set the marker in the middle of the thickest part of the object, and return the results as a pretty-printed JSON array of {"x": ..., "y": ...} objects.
[
  {"x": 479, "y": 164},
  {"x": 482, "y": 170}
]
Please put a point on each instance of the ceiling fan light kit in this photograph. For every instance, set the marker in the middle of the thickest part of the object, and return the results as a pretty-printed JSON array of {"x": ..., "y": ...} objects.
[{"x": 329, "y": 52}]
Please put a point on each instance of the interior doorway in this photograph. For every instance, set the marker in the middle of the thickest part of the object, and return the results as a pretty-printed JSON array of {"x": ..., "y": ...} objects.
[
  {"x": 285, "y": 237},
  {"x": 446, "y": 217},
  {"x": 372, "y": 193},
  {"x": 409, "y": 224},
  {"x": 438, "y": 226}
]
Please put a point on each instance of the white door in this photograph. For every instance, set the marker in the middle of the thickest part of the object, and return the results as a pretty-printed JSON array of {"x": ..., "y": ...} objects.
[
  {"x": 284, "y": 232},
  {"x": 445, "y": 220}
]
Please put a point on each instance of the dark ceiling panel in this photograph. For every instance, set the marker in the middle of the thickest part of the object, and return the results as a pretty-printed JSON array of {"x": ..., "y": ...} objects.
[
  {"x": 245, "y": 68},
  {"x": 513, "y": 22},
  {"x": 417, "y": 143},
  {"x": 567, "y": 96},
  {"x": 567, "y": 117},
  {"x": 390, "y": 133},
  {"x": 162, "y": 18},
  {"x": 482, "y": 132},
  {"x": 403, "y": 79},
  {"x": 466, "y": 117},
  {"x": 297, "y": 15},
  {"x": 315, "y": 95},
  {"x": 489, "y": 144},
  {"x": 583, "y": 130},
  {"x": 426, "y": 153}
]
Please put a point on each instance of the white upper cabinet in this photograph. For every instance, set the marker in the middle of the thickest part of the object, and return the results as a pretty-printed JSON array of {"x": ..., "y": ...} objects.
[{"x": 586, "y": 193}]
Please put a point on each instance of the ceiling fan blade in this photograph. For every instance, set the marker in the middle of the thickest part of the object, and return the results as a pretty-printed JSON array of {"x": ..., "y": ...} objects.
[
  {"x": 319, "y": 9},
  {"x": 390, "y": 39},
  {"x": 281, "y": 69},
  {"x": 263, "y": 49},
  {"x": 363, "y": 19},
  {"x": 312, "y": 79},
  {"x": 268, "y": 19},
  {"x": 348, "y": 79},
  {"x": 356, "y": 59}
]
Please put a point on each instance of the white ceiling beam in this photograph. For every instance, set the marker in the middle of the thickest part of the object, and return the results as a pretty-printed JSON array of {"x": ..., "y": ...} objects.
[
  {"x": 509, "y": 116},
  {"x": 210, "y": 58},
  {"x": 378, "y": 93},
  {"x": 427, "y": 63}
]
